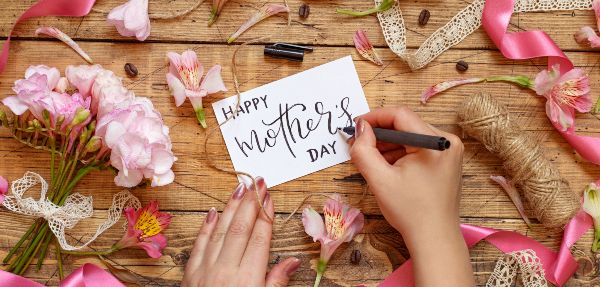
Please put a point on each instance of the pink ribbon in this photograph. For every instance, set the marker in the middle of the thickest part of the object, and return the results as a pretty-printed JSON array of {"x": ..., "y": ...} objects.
[
  {"x": 534, "y": 44},
  {"x": 88, "y": 275},
  {"x": 558, "y": 266},
  {"x": 71, "y": 8}
]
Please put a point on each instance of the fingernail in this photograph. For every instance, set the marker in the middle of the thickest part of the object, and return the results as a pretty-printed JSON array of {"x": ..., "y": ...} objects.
[
  {"x": 360, "y": 127},
  {"x": 239, "y": 191},
  {"x": 260, "y": 182},
  {"x": 212, "y": 215},
  {"x": 266, "y": 199},
  {"x": 293, "y": 267}
]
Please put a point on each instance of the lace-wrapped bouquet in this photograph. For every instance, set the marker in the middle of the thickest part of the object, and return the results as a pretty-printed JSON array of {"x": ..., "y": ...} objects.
[{"x": 87, "y": 121}]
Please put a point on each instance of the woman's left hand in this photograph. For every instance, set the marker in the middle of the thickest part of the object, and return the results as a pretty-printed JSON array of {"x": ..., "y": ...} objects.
[{"x": 233, "y": 249}]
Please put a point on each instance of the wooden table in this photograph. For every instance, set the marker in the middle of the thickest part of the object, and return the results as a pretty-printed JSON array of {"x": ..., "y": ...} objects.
[{"x": 197, "y": 187}]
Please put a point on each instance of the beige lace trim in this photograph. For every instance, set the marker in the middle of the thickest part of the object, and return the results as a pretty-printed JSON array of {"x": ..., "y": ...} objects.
[
  {"x": 463, "y": 24},
  {"x": 525, "y": 261}
]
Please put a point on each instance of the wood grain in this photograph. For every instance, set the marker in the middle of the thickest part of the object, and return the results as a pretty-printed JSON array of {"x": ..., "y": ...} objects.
[{"x": 198, "y": 188}]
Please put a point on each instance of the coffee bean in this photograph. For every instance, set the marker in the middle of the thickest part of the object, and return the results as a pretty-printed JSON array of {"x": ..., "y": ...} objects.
[
  {"x": 462, "y": 66},
  {"x": 424, "y": 17},
  {"x": 355, "y": 257},
  {"x": 131, "y": 70},
  {"x": 304, "y": 10}
]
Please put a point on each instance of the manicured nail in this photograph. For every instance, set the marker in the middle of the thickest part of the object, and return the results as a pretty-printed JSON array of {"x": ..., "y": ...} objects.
[
  {"x": 212, "y": 215},
  {"x": 260, "y": 182},
  {"x": 293, "y": 267},
  {"x": 360, "y": 127},
  {"x": 266, "y": 199},
  {"x": 239, "y": 192}
]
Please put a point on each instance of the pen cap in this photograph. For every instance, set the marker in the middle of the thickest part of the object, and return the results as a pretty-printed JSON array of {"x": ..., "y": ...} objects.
[{"x": 293, "y": 55}]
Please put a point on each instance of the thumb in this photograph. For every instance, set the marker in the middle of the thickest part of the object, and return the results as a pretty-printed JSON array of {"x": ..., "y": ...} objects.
[
  {"x": 365, "y": 155},
  {"x": 280, "y": 273}
]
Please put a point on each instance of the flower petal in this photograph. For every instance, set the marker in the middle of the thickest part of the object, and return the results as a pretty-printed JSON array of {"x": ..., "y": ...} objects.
[
  {"x": 313, "y": 224},
  {"x": 265, "y": 12},
  {"x": 3, "y": 188},
  {"x": 365, "y": 48},
  {"x": 17, "y": 106},
  {"x": 561, "y": 116},
  {"x": 545, "y": 80},
  {"x": 131, "y": 179},
  {"x": 177, "y": 89},
  {"x": 213, "y": 82},
  {"x": 443, "y": 86},
  {"x": 154, "y": 245},
  {"x": 586, "y": 35},
  {"x": 513, "y": 194}
]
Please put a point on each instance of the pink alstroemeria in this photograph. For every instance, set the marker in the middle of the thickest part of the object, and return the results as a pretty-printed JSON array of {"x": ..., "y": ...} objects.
[
  {"x": 58, "y": 34},
  {"x": 342, "y": 223},
  {"x": 185, "y": 80},
  {"x": 564, "y": 94},
  {"x": 587, "y": 35},
  {"x": 144, "y": 227},
  {"x": 131, "y": 19},
  {"x": 3, "y": 188},
  {"x": 264, "y": 12},
  {"x": 365, "y": 48}
]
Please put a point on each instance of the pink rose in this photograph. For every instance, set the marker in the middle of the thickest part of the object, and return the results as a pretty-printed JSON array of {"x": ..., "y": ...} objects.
[{"x": 131, "y": 19}]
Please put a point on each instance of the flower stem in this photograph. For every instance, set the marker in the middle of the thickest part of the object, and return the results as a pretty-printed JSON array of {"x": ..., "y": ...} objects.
[
  {"x": 522, "y": 81},
  {"x": 321, "y": 267},
  {"x": 95, "y": 252},
  {"x": 357, "y": 13},
  {"x": 61, "y": 274},
  {"x": 43, "y": 251},
  {"x": 14, "y": 249}
]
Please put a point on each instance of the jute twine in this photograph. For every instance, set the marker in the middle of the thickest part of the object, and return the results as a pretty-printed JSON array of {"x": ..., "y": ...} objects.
[{"x": 548, "y": 194}]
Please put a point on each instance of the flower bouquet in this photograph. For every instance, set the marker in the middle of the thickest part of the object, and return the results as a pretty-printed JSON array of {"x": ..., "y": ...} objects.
[{"x": 87, "y": 121}]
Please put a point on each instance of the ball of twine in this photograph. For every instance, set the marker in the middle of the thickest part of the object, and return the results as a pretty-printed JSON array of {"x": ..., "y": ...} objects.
[{"x": 547, "y": 193}]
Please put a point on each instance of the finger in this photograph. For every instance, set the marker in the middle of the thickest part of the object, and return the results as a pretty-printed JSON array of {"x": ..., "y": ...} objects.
[
  {"x": 394, "y": 155},
  {"x": 364, "y": 153},
  {"x": 194, "y": 263},
  {"x": 256, "y": 257},
  {"x": 215, "y": 242},
  {"x": 238, "y": 234},
  {"x": 281, "y": 273}
]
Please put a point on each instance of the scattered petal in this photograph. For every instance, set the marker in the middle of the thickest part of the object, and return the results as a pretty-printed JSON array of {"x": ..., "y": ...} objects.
[
  {"x": 513, "y": 194},
  {"x": 58, "y": 34},
  {"x": 365, "y": 48},
  {"x": 438, "y": 88},
  {"x": 265, "y": 12},
  {"x": 587, "y": 36}
]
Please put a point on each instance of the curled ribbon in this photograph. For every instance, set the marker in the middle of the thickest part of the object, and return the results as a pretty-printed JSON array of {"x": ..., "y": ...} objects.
[
  {"x": 75, "y": 208},
  {"x": 47, "y": 8},
  {"x": 88, "y": 275},
  {"x": 534, "y": 44},
  {"x": 558, "y": 266}
]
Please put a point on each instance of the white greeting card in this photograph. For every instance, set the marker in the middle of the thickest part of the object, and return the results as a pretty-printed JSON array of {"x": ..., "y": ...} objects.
[{"x": 288, "y": 128}]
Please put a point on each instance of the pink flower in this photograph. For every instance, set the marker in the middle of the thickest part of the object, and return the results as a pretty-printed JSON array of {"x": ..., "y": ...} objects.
[
  {"x": 139, "y": 142},
  {"x": 586, "y": 35},
  {"x": 185, "y": 80},
  {"x": 436, "y": 89},
  {"x": 342, "y": 223},
  {"x": 68, "y": 106},
  {"x": 131, "y": 19},
  {"x": 35, "y": 92},
  {"x": 83, "y": 77},
  {"x": 58, "y": 34},
  {"x": 564, "y": 94},
  {"x": 365, "y": 48},
  {"x": 3, "y": 188},
  {"x": 108, "y": 93},
  {"x": 144, "y": 227},
  {"x": 265, "y": 12},
  {"x": 596, "y": 7}
]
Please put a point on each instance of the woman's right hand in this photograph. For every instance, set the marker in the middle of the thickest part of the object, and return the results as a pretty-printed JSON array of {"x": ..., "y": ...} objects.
[{"x": 417, "y": 190}]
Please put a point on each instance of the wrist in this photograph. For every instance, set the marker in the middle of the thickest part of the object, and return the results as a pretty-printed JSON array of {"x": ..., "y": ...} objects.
[{"x": 430, "y": 236}]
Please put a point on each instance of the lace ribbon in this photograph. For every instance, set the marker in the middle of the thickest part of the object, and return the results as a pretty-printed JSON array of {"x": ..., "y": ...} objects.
[
  {"x": 459, "y": 27},
  {"x": 76, "y": 208},
  {"x": 526, "y": 261}
]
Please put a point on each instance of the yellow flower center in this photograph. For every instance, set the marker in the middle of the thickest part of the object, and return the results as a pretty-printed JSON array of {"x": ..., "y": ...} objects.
[
  {"x": 335, "y": 225},
  {"x": 569, "y": 91},
  {"x": 148, "y": 224}
]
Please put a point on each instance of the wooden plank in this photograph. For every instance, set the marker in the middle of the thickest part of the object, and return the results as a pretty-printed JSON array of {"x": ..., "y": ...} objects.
[
  {"x": 381, "y": 247},
  {"x": 323, "y": 26},
  {"x": 198, "y": 187}
]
